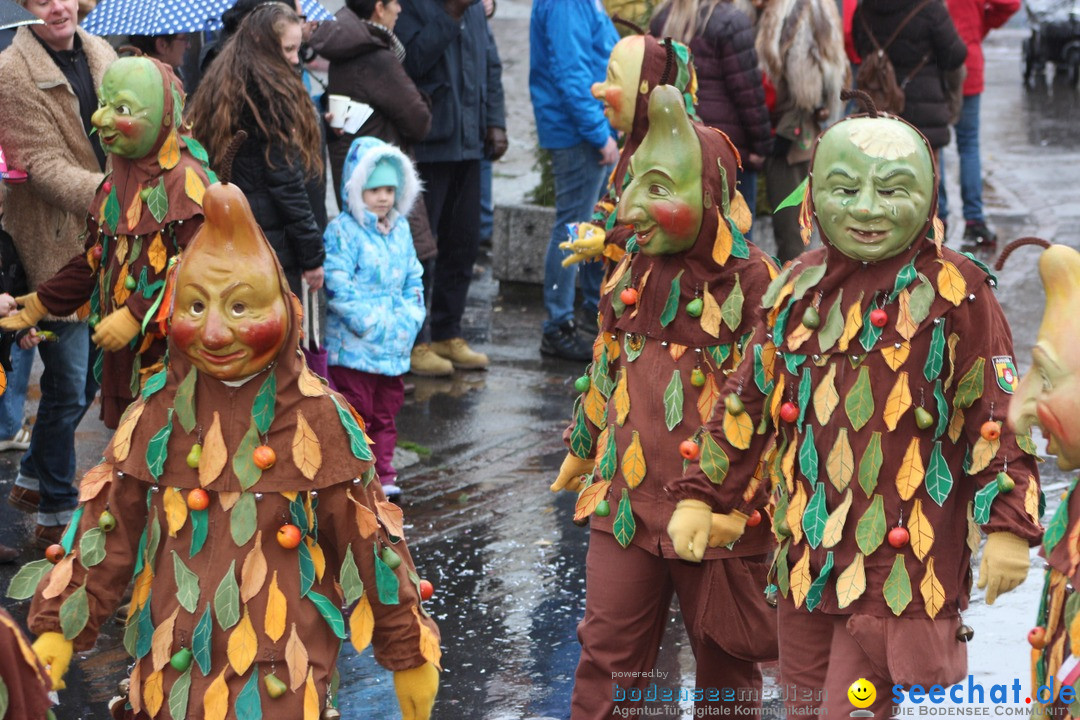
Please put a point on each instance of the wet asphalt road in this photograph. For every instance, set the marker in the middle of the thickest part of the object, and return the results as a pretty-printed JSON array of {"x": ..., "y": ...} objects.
[{"x": 506, "y": 561}]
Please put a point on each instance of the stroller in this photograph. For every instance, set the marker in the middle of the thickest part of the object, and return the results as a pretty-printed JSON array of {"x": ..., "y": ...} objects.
[{"x": 1055, "y": 38}]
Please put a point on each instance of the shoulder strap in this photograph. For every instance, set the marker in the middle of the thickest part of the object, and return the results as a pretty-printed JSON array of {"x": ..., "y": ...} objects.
[{"x": 903, "y": 23}]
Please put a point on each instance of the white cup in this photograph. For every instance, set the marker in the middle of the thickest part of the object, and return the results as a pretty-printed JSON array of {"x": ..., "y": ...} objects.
[{"x": 339, "y": 109}]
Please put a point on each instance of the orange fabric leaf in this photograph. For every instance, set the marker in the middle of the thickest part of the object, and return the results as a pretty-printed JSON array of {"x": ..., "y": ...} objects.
[
  {"x": 296, "y": 657},
  {"x": 134, "y": 209},
  {"x": 194, "y": 186},
  {"x": 589, "y": 498},
  {"x": 253, "y": 571},
  {"x": 94, "y": 481},
  {"x": 59, "y": 577},
  {"x": 391, "y": 517},
  {"x": 214, "y": 453},
  {"x": 162, "y": 641},
  {"x": 306, "y": 450},
  {"x": 121, "y": 442},
  {"x": 429, "y": 643}
]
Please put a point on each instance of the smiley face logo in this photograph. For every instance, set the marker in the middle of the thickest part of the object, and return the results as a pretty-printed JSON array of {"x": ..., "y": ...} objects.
[{"x": 862, "y": 693}]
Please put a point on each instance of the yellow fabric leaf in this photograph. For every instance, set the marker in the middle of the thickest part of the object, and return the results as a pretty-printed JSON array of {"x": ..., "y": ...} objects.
[
  {"x": 740, "y": 213},
  {"x": 834, "y": 526},
  {"x": 216, "y": 699},
  {"x": 956, "y": 424},
  {"x": 193, "y": 186},
  {"x": 777, "y": 399},
  {"x": 134, "y": 209},
  {"x": 59, "y": 577},
  {"x": 641, "y": 289},
  {"x": 796, "y": 507},
  {"x": 361, "y": 624},
  {"x": 622, "y": 398},
  {"x": 135, "y": 689},
  {"x": 933, "y": 594},
  {"x": 826, "y": 399},
  {"x": 787, "y": 464},
  {"x": 169, "y": 154},
  {"x": 1031, "y": 505},
  {"x": 311, "y": 698},
  {"x": 595, "y": 406},
  {"x": 277, "y": 608},
  {"x": 214, "y": 453},
  {"x": 723, "y": 242},
  {"x": 706, "y": 401},
  {"x": 851, "y": 583},
  {"x": 1057, "y": 655},
  {"x": 911, "y": 473},
  {"x": 94, "y": 480},
  {"x": 296, "y": 657},
  {"x": 983, "y": 452},
  {"x": 162, "y": 642},
  {"x": 153, "y": 694},
  {"x": 954, "y": 340},
  {"x": 429, "y": 643},
  {"x": 676, "y": 351},
  {"x": 711, "y": 316},
  {"x": 797, "y": 337},
  {"x": 905, "y": 324},
  {"x": 157, "y": 254},
  {"x": 800, "y": 578},
  {"x": 309, "y": 384},
  {"x": 243, "y": 644},
  {"x": 738, "y": 429},
  {"x": 840, "y": 464},
  {"x": 612, "y": 345},
  {"x": 899, "y": 401},
  {"x": 318, "y": 558},
  {"x": 120, "y": 291},
  {"x": 141, "y": 590},
  {"x": 633, "y": 462},
  {"x": 1074, "y": 632},
  {"x": 951, "y": 284},
  {"x": 1057, "y": 600},
  {"x": 176, "y": 509},
  {"x": 896, "y": 356},
  {"x": 921, "y": 531},
  {"x": 306, "y": 450},
  {"x": 121, "y": 250},
  {"x": 852, "y": 324},
  {"x": 253, "y": 571},
  {"x": 768, "y": 360},
  {"x": 228, "y": 499},
  {"x": 616, "y": 275},
  {"x": 974, "y": 536}
]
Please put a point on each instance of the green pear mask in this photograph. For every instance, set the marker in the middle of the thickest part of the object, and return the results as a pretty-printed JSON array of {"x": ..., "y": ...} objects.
[
  {"x": 132, "y": 97},
  {"x": 663, "y": 201},
  {"x": 873, "y": 187}
]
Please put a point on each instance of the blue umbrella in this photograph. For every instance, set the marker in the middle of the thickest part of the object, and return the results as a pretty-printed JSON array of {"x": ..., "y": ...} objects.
[
  {"x": 312, "y": 10},
  {"x": 153, "y": 17},
  {"x": 12, "y": 15}
]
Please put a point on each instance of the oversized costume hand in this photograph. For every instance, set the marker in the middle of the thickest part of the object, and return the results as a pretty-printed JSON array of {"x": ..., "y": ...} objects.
[
  {"x": 116, "y": 330},
  {"x": 54, "y": 652},
  {"x": 28, "y": 317},
  {"x": 689, "y": 529},
  {"x": 1005, "y": 564},
  {"x": 726, "y": 529},
  {"x": 416, "y": 690},
  {"x": 572, "y": 472},
  {"x": 588, "y": 245}
]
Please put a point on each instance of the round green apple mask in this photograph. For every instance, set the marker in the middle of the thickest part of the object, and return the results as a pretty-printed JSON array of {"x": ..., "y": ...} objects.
[
  {"x": 132, "y": 98},
  {"x": 873, "y": 187}
]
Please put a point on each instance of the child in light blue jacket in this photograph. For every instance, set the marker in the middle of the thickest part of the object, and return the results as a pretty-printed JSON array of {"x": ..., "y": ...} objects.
[{"x": 376, "y": 298}]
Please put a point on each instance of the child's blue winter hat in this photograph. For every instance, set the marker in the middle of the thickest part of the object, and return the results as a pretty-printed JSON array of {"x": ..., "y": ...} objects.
[{"x": 384, "y": 174}]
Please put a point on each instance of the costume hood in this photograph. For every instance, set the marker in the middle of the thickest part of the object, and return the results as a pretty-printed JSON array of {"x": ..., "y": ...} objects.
[{"x": 364, "y": 154}]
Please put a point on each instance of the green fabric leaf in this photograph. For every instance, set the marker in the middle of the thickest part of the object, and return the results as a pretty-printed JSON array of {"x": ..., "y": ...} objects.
[
  {"x": 936, "y": 356},
  {"x": 793, "y": 362},
  {"x": 248, "y": 705},
  {"x": 808, "y": 455},
  {"x": 386, "y": 581},
  {"x": 136, "y": 375},
  {"x": 99, "y": 365},
  {"x": 243, "y": 462},
  {"x": 154, "y": 383},
  {"x": 870, "y": 333},
  {"x": 814, "y": 516},
  {"x": 178, "y": 696},
  {"x": 763, "y": 384},
  {"x": 870, "y": 464},
  {"x": 145, "y": 630},
  {"x": 809, "y": 278},
  {"x": 673, "y": 401},
  {"x": 357, "y": 444},
  {"x": 1059, "y": 523},
  {"x": 68, "y": 539},
  {"x": 1026, "y": 444},
  {"x": 158, "y": 201},
  {"x": 227, "y": 599},
  {"x": 580, "y": 438},
  {"x": 897, "y": 588},
  {"x": 307, "y": 569},
  {"x": 671, "y": 306},
  {"x": 92, "y": 547},
  {"x": 197, "y": 151},
  {"x": 793, "y": 200},
  {"x": 200, "y": 641},
  {"x": 970, "y": 387},
  {"x": 330, "y": 613},
  {"x": 783, "y": 574},
  {"x": 243, "y": 519},
  {"x": 624, "y": 526},
  {"x": 859, "y": 403},
  {"x": 833, "y": 327},
  {"x": 297, "y": 515},
  {"x": 804, "y": 396},
  {"x": 773, "y": 291},
  {"x": 157, "y": 450},
  {"x": 713, "y": 460},
  {"x": 131, "y": 631},
  {"x": 739, "y": 248},
  {"x": 178, "y": 109},
  {"x": 351, "y": 584},
  {"x": 74, "y": 613},
  {"x": 112, "y": 212},
  {"x": 922, "y": 297},
  {"x": 262, "y": 409},
  {"x": 601, "y": 375},
  {"x": 871, "y": 528},
  {"x": 984, "y": 498},
  {"x": 939, "y": 479},
  {"x": 817, "y": 588},
  {"x": 153, "y": 540},
  {"x": 187, "y": 585},
  {"x": 942, "y": 407},
  {"x": 184, "y": 401},
  {"x": 719, "y": 353},
  {"x": 26, "y": 580},
  {"x": 904, "y": 278},
  {"x": 732, "y": 309},
  {"x": 198, "y": 530},
  {"x": 610, "y": 460},
  {"x": 629, "y": 348},
  {"x": 982, "y": 266},
  {"x": 781, "y": 322}
]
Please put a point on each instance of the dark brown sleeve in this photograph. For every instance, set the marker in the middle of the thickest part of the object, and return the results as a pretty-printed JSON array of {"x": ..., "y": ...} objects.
[{"x": 70, "y": 288}]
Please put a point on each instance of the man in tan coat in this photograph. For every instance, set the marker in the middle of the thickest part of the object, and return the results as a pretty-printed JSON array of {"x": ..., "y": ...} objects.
[{"x": 48, "y": 81}]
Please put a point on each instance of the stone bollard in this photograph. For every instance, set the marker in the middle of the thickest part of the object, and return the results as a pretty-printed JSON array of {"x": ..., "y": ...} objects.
[{"x": 519, "y": 242}]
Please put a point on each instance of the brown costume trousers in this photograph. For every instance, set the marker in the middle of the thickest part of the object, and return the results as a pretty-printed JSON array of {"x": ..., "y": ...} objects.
[{"x": 627, "y": 600}]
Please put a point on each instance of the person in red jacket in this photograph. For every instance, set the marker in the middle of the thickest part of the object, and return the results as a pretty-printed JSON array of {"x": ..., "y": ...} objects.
[{"x": 973, "y": 20}]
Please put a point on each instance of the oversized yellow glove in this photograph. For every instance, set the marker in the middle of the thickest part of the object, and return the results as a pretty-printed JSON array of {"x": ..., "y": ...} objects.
[
  {"x": 1005, "y": 564},
  {"x": 572, "y": 474},
  {"x": 689, "y": 529},
  {"x": 416, "y": 690},
  {"x": 116, "y": 330},
  {"x": 54, "y": 652},
  {"x": 32, "y": 311},
  {"x": 588, "y": 245},
  {"x": 726, "y": 529}
]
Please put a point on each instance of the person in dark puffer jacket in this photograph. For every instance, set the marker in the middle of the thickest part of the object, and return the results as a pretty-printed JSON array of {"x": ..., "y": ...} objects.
[{"x": 730, "y": 93}]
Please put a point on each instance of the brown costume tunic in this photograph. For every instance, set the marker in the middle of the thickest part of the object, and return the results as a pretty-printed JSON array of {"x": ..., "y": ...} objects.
[
  {"x": 216, "y": 581},
  {"x": 143, "y": 214}
]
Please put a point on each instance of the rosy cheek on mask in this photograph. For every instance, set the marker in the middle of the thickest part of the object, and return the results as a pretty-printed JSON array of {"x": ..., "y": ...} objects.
[
  {"x": 674, "y": 218},
  {"x": 183, "y": 333},
  {"x": 125, "y": 126},
  {"x": 613, "y": 97},
  {"x": 261, "y": 337},
  {"x": 1051, "y": 425}
]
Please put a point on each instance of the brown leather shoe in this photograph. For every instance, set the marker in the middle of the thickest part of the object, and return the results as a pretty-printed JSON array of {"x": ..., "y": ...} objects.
[
  {"x": 46, "y": 535},
  {"x": 458, "y": 352},
  {"x": 23, "y": 499},
  {"x": 8, "y": 554}
]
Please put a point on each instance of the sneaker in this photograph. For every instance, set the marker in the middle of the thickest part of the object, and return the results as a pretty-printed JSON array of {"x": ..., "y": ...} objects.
[
  {"x": 24, "y": 499},
  {"x": 458, "y": 352},
  {"x": 20, "y": 442},
  {"x": 976, "y": 231},
  {"x": 46, "y": 535},
  {"x": 426, "y": 363},
  {"x": 587, "y": 322},
  {"x": 392, "y": 492},
  {"x": 565, "y": 342}
]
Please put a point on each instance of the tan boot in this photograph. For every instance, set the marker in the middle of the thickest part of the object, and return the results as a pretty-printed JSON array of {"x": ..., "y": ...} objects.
[
  {"x": 424, "y": 362},
  {"x": 457, "y": 351}
]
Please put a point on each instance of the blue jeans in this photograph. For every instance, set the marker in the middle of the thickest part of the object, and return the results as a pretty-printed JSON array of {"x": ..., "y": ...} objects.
[
  {"x": 67, "y": 389},
  {"x": 487, "y": 202},
  {"x": 967, "y": 146},
  {"x": 579, "y": 178},
  {"x": 11, "y": 404}
]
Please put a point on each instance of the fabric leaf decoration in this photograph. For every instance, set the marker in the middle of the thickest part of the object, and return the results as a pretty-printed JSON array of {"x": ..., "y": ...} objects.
[
  {"x": 184, "y": 401},
  {"x": 25, "y": 582},
  {"x": 161, "y": 645},
  {"x": 825, "y": 396},
  {"x": 840, "y": 465},
  {"x": 589, "y": 498},
  {"x": 214, "y": 453},
  {"x": 984, "y": 498},
  {"x": 187, "y": 585},
  {"x": 357, "y": 444},
  {"x": 905, "y": 324},
  {"x": 216, "y": 699},
  {"x": 713, "y": 460},
  {"x": 936, "y": 355},
  {"x": 277, "y": 607},
  {"x": 157, "y": 449},
  {"x": 92, "y": 547},
  {"x": 796, "y": 507},
  {"x": 296, "y": 658},
  {"x": 800, "y": 578},
  {"x": 243, "y": 519},
  {"x": 361, "y": 624},
  {"x": 853, "y": 322},
  {"x": 673, "y": 401},
  {"x": 942, "y": 410},
  {"x": 74, "y": 613},
  {"x": 896, "y": 355},
  {"x": 834, "y": 526},
  {"x": 199, "y": 528},
  {"x": 732, "y": 309},
  {"x": 817, "y": 588},
  {"x": 429, "y": 642},
  {"x": 922, "y": 297},
  {"x": 248, "y": 704},
  {"x": 178, "y": 696},
  {"x": 595, "y": 406},
  {"x": 580, "y": 438},
  {"x": 624, "y": 525},
  {"x": 833, "y": 327},
  {"x": 870, "y": 531},
  {"x": 158, "y": 201},
  {"x": 899, "y": 401},
  {"x": 706, "y": 401},
  {"x": 804, "y": 396},
  {"x": 262, "y": 409},
  {"x": 815, "y": 516},
  {"x": 153, "y": 693},
  {"x": 633, "y": 462},
  {"x": 607, "y": 461},
  {"x": 307, "y": 569},
  {"x": 311, "y": 698},
  {"x": 723, "y": 242},
  {"x": 897, "y": 588},
  {"x": 982, "y": 453},
  {"x": 859, "y": 403},
  {"x": 808, "y": 456},
  {"x": 933, "y": 594},
  {"x": 243, "y": 464},
  {"x": 970, "y": 387},
  {"x": 711, "y": 314},
  {"x": 738, "y": 429},
  {"x": 809, "y": 278},
  {"x": 176, "y": 509},
  {"x": 351, "y": 584},
  {"x": 330, "y": 613},
  {"x": 194, "y": 187},
  {"x": 910, "y": 475},
  {"x": 227, "y": 599},
  {"x": 671, "y": 306},
  {"x": 851, "y": 583},
  {"x": 904, "y": 278},
  {"x": 386, "y": 582},
  {"x": 621, "y": 398},
  {"x": 774, "y": 292},
  {"x": 200, "y": 641},
  {"x": 253, "y": 571},
  {"x": 168, "y": 158},
  {"x": 922, "y": 532},
  {"x": 870, "y": 333},
  {"x": 951, "y": 284},
  {"x": 111, "y": 210},
  {"x": 95, "y": 480},
  {"x": 59, "y": 577}
]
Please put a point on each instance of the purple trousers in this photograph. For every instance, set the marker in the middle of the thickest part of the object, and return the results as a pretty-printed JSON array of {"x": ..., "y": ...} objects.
[{"x": 377, "y": 398}]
